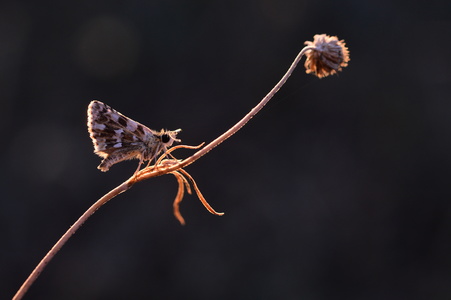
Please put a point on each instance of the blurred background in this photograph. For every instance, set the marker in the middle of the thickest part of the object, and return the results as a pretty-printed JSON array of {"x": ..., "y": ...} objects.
[{"x": 338, "y": 189}]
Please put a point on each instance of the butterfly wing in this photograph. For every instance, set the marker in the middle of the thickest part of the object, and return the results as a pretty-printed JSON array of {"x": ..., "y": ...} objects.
[{"x": 115, "y": 136}]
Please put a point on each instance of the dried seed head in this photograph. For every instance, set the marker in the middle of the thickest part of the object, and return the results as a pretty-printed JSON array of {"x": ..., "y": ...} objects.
[{"x": 327, "y": 57}]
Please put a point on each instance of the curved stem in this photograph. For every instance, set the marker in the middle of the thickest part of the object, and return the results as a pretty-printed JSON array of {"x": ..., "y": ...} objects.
[
  {"x": 249, "y": 116},
  {"x": 66, "y": 236},
  {"x": 153, "y": 172},
  {"x": 238, "y": 125}
]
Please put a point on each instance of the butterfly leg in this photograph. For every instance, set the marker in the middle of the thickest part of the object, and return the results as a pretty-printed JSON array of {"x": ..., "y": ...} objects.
[{"x": 139, "y": 166}]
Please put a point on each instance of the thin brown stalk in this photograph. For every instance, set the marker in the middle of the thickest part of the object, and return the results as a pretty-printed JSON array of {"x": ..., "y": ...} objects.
[
  {"x": 163, "y": 167},
  {"x": 66, "y": 236},
  {"x": 234, "y": 129}
]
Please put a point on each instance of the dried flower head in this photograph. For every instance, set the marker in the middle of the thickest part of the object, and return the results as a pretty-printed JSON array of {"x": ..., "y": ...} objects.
[{"x": 327, "y": 55}]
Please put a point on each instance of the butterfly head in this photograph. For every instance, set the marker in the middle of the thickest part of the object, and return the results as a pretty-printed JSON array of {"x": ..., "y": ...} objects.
[{"x": 168, "y": 137}]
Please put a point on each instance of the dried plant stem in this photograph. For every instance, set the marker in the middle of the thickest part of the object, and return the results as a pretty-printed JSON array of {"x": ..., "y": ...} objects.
[
  {"x": 66, "y": 236},
  {"x": 245, "y": 119},
  {"x": 145, "y": 174},
  {"x": 167, "y": 166}
]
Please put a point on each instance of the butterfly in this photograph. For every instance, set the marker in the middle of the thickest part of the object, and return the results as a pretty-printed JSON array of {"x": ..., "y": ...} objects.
[{"x": 117, "y": 138}]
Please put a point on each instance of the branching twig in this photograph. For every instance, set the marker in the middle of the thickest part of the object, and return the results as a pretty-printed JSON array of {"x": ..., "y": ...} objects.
[{"x": 325, "y": 56}]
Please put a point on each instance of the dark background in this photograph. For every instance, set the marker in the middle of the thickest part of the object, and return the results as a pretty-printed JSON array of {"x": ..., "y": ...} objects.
[{"x": 338, "y": 189}]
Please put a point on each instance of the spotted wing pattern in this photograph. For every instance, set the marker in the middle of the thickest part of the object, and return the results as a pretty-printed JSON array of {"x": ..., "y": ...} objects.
[{"x": 117, "y": 137}]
